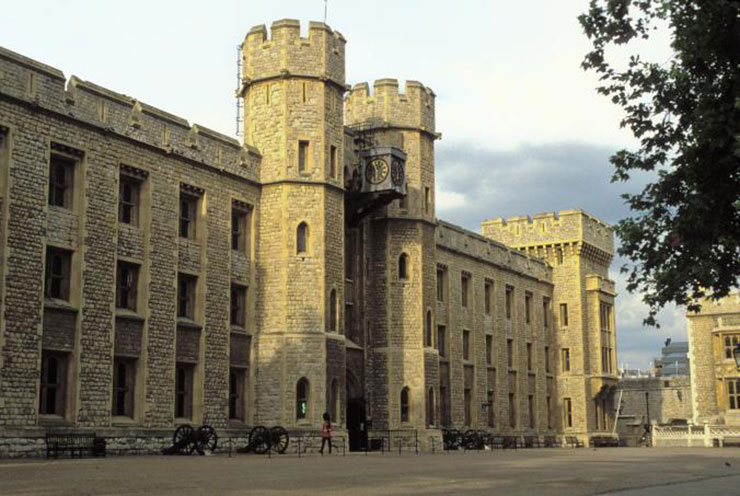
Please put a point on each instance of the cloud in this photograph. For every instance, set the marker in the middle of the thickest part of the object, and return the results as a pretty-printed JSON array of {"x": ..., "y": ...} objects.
[{"x": 477, "y": 183}]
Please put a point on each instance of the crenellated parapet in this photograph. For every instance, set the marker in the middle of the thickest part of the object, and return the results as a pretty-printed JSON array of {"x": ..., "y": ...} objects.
[
  {"x": 45, "y": 88},
  {"x": 387, "y": 106},
  {"x": 285, "y": 53},
  {"x": 567, "y": 228}
]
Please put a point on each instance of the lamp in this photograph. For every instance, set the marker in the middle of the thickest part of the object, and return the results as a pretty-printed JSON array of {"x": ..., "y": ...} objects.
[{"x": 736, "y": 354}]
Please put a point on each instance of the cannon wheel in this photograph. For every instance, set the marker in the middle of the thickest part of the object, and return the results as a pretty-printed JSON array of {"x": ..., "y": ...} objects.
[
  {"x": 280, "y": 439},
  {"x": 470, "y": 440},
  {"x": 184, "y": 439},
  {"x": 451, "y": 439},
  {"x": 207, "y": 439},
  {"x": 260, "y": 439}
]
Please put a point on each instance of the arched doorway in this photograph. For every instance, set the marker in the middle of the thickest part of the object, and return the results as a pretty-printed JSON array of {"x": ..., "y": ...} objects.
[{"x": 356, "y": 425}]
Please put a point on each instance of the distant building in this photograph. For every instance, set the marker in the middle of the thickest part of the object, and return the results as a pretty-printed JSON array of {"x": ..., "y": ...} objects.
[{"x": 674, "y": 359}]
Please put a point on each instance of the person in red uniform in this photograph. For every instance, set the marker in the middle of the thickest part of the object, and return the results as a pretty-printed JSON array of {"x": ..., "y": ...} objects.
[{"x": 326, "y": 433}]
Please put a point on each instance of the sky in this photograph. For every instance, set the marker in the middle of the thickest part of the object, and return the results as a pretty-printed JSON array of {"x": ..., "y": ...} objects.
[{"x": 523, "y": 129}]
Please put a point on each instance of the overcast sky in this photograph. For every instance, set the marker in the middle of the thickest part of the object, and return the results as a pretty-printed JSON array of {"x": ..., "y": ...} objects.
[{"x": 523, "y": 129}]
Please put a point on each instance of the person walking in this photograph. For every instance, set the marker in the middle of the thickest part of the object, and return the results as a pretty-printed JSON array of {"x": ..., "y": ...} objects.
[{"x": 325, "y": 433}]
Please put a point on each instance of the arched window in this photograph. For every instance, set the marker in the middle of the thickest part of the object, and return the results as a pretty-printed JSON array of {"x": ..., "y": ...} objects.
[
  {"x": 333, "y": 310},
  {"x": 334, "y": 401},
  {"x": 301, "y": 399},
  {"x": 405, "y": 404},
  {"x": 302, "y": 238},
  {"x": 430, "y": 407},
  {"x": 428, "y": 329},
  {"x": 403, "y": 266}
]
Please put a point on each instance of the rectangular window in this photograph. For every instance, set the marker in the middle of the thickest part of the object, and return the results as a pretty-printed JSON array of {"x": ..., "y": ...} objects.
[
  {"x": 58, "y": 266},
  {"x": 565, "y": 359},
  {"x": 529, "y": 356},
  {"x": 61, "y": 181},
  {"x": 509, "y": 301},
  {"x": 489, "y": 349},
  {"x": 183, "y": 390},
  {"x": 124, "y": 378},
  {"x": 528, "y": 308},
  {"x": 239, "y": 229},
  {"x": 512, "y": 410},
  {"x": 348, "y": 321},
  {"x": 487, "y": 295},
  {"x": 427, "y": 200},
  {"x": 464, "y": 284},
  {"x": 302, "y": 156},
  {"x": 127, "y": 283},
  {"x": 546, "y": 312},
  {"x": 237, "y": 382},
  {"x": 440, "y": 284},
  {"x": 441, "y": 341},
  {"x": 547, "y": 359},
  {"x": 466, "y": 345},
  {"x": 468, "y": 397},
  {"x": 186, "y": 295},
  {"x": 510, "y": 352},
  {"x": 733, "y": 394},
  {"x": 333, "y": 161},
  {"x": 548, "y": 402},
  {"x": 188, "y": 214},
  {"x": 730, "y": 341},
  {"x": 238, "y": 305},
  {"x": 530, "y": 407},
  {"x": 53, "y": 383},
  {"x": 491, "y": 405},
  {"x": 128, "y": 200},
  {"x": 563, "y": 315},
  {"x": 567, "y": 412},
  {"x": 605, "y": 311}
]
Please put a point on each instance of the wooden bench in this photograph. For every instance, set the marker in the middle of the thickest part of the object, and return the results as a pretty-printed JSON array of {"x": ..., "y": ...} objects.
[
  {"x": 573, "y": 442},
  {"x": 603, "y": 442},
  {"x": 551, "y": 442},
  {"x": 76, "y": 443}
]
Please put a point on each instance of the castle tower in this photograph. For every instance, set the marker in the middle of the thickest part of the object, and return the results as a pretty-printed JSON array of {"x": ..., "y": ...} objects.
[
  {"x": 580, "y": 249},
  {"x": 402, "y": 366},
  {"x": 292, "y": 89}
]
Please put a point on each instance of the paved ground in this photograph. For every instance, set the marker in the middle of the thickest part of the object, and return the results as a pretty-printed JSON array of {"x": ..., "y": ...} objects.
[{"x": 617, "y": 471}]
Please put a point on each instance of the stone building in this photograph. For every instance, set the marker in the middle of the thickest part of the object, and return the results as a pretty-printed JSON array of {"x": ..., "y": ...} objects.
[
  {"x": 714, "y": 332},
  {"x": 673, "y": 359},
  {"x": 156, "y": 273}
]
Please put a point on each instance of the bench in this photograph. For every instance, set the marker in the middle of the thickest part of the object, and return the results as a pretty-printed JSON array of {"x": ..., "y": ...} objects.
[
  {"x": 551, "y": 442},
  {"x": 604, "y": 442},
  {"x": 510, "y": 442},
  {"x": 573, "y": 442},
  {"x": 531, "y": 442},
  {"x": 74, "y": 443},
  {"x": 497, "y": 442}
]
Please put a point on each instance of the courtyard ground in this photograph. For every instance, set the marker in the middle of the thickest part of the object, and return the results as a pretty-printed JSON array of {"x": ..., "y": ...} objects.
[{"x": 619, "y": 471}]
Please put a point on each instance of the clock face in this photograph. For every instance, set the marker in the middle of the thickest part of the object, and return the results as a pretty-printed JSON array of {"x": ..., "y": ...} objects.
[
  {"x": 397, "y": 173},
  {"x": 376, "y": 171}
]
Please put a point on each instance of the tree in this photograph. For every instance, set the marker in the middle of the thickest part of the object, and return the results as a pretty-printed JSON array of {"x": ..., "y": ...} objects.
[{"x": 683, "y": 235}]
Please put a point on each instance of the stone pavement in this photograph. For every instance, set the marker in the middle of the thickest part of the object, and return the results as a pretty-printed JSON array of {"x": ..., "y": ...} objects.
[{"x": 617, "y": 471}]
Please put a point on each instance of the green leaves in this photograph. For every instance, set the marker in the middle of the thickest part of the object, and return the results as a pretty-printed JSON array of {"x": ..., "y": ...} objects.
[{"x": 683, "y": 239}]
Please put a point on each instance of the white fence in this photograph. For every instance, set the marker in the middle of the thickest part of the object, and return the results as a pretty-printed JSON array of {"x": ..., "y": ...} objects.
[{"x": 695, "y": 435}]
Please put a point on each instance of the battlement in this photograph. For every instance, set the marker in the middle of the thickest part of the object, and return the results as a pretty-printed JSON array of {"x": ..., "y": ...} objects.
[
  {"x": 285, "y": 52},
  {"x": 564, "y": 227},
  {"x": 386, "y": 105},
  {"x": 32, "y": 83}
]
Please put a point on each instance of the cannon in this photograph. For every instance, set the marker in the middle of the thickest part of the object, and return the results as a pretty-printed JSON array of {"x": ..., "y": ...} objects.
[
  {"x": 187, "y": 440},
  {"x": 452, "y": 439},
  {"x": 262, "y": 440}
]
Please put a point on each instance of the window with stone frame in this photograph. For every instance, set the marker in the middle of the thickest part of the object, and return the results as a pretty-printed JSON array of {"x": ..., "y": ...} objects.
[
  {"x": 527, "y": 307},
  {"x": 468, "y": 406},
  {"x": 548, "y": 402},
  {"x": 333, "y": 161},
  {"x": 512, "y": 410},
  {"x": 466, "y": 345},
  {"x": 333, "y": 311},
  {"x": 405, "y": 404},
  {"x": 546, "y": 313},
  {"x": 509, "y": 301},
  {"x": 237, "y": 388},
  {"x": 302, "y": 239},
  {"x": 441, "y": 279},
  {"x": 184, "y": 390},
  {"x": 58, "y": 273},
  {"x": 61, "y": 180},
  {"x": 302, "y": 398},
  {"x": 240, "y": 227},
  {"x": 489, "y": 349},
  {"x": 733, "y": 394},
  {"x": 547, "y": 359},
  {"x": 53, "y": 383},
  {"x": 129, "y": 193},
  {"x": 730, "y": 341},
  {"x": 430, "y": 407},
  {"x": 487, "y": 296},
  {"x": 186, "y": 289},
  {"x": 567, "y": 413},
  {"x": 238, "y": 316},
  {"x": 565, "y": 359},
  {"x": 530, "y": 408},
  {"x": 189, "y": 203},
  {"x": 127, "y": 282},
  {"x": 427, "y": 200},
  {"x": 510, "y": 352},
  {"x": 442, "y": 340},
  {"x": 428, "y": 340},
  {"x": 303, "y": 156},
  {"x": 563, "y": 315},
  {"x": 403, "y": 267},
  {"x": 530, "y": 361},
  {"x": 349, "y": 325},
  {"x": 464, "y": 289},
  {"x": 124, "y": 380}
]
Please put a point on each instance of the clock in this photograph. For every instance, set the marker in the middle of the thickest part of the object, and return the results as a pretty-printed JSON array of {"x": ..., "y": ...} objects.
[
  {"x": 376, "y": 171},
  {"x": 397, "y": 173}
]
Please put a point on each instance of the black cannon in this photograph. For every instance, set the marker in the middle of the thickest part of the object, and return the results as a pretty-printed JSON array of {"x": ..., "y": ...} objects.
[
  {"x": 263, "y": 440},
  {"x": 187, "y": 440},
  {"x": 452, "y": 439}
]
